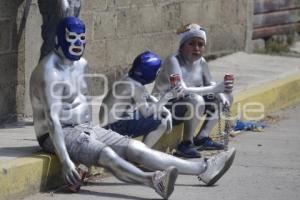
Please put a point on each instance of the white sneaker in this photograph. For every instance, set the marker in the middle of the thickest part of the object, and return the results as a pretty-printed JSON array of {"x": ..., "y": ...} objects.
[
  {"x": 163, "y": 181},
  {"x": 217, "y": 166}
]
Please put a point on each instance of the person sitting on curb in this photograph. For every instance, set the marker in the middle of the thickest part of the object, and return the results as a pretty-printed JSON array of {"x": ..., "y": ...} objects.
[
  {"x": 129, "y": 109},
  {"x": 202, "y": 95},
  {"x": 63, "y": 125}
]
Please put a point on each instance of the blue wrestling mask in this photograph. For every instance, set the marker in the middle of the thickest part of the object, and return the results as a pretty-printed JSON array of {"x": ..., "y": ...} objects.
[
  {"x": 71, "y": 37},
  {"x": 145, "y": 67}
]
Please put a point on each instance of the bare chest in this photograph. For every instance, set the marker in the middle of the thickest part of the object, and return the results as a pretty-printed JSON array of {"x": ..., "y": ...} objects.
[{"x": 73, "y": 86}]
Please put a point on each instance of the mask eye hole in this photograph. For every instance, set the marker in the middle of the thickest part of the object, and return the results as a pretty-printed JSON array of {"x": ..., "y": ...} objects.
[
  {"x": 82, "y": 37},
  {"x": 72, "y": 37}
]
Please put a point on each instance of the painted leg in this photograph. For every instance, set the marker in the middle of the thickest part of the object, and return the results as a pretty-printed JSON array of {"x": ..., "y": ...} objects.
[
  {"x": 151, "y": 138},
  {"x": 202, "y": 140},
  {"x": 195, "y": 111},
  {"x": 162, "y": 181},
  {"x": 151, "y": 159},
  {"x": 208, "y": 170}
]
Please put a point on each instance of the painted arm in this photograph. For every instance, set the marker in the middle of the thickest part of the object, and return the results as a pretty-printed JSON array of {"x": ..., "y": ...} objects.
[
  {"x": 153, "y": 106},
  {"x": 52, "y": 107},
  {"x": 149, "y": 105},
  {"x": 64, "y": 7},
  {"x": 67, "y": 7},
  {"x": 211, "y": 87}
]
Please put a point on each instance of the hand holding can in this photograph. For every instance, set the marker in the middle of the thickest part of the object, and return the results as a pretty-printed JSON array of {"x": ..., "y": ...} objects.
[
  {"x": 83, "y": 174},
  {"x": 176, "y": 87},
  {"x": 174, "y": 79}
]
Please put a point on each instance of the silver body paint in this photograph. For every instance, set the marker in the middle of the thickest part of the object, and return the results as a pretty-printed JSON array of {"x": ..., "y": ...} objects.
[
  {"x": 196, "y": 79},
  {"x": 53, "y": 83},
  {"x": 65, "y": 103},
  {"x": 57, "y": 100},
  {"x": 58, "y": 97},
  {"x": 129, "y": 95}
]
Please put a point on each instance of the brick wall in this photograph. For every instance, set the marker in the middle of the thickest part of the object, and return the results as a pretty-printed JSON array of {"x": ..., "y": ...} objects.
[{"x": 118, "y": 30}]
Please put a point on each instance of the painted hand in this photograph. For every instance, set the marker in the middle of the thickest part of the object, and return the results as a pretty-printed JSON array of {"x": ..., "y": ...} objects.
[
  {"x": 167, "y": 118},
  {"x": 228, "y": 86},
  {"x": 178, "y": 91},
  {"x": 224, "y": 100},
  {"x": 71, "y": 175}
]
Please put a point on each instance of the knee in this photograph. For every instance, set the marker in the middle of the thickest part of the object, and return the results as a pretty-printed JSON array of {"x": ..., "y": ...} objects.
[
  {"x": 196, "y": 100},
  {"x": 135, "y": 150},
  {"x": 198, "y": 103},
  {"x": 108, "y": 157}
]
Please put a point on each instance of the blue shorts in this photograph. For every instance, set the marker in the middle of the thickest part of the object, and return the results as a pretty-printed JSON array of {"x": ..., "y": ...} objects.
[{"x": 136, "y": 126}]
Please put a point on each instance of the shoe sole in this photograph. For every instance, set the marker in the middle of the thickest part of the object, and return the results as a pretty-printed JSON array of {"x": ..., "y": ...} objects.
[
  {"x": 227, "y": 165},
  {"x": 176, "y": 153},
  {"x": 172, "y": 176},
  {"x": 201, "y": 148}
]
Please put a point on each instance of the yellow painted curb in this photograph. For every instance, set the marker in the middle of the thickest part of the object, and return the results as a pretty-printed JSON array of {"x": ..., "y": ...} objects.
[
  {"x": 267, "y": 98},
  {"x": 28, "y": 175}
]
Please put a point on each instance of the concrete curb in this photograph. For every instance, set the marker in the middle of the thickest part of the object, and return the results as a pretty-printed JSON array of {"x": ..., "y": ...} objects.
[
  {"x": 273, "y": 95},
  {"x": 24, "y": 176}
]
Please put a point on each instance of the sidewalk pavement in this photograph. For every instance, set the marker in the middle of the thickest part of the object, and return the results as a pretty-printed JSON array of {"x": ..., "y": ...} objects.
[{"x": 272, "y": 81}]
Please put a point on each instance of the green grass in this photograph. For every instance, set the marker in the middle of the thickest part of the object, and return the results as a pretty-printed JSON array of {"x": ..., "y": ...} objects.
[{"x": 277, "y": 46}]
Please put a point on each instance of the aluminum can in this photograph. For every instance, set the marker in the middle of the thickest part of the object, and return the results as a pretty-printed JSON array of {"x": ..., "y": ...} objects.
[
  {"x": 228, "y": 77},
  {"x": 174, "y": 79}
]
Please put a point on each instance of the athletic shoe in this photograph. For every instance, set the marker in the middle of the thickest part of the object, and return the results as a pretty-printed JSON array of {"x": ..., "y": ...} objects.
[
  {"x": 187, "y": 150},
  {"x": 207, "y": 143},
  {"x": 163, "y": 181},
  {"x": 217, "y": 166}
]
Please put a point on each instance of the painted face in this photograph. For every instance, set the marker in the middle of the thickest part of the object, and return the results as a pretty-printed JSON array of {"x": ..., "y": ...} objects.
[
  {"x": 193, "y": 49},
  {"x": 71, "y": 38}
]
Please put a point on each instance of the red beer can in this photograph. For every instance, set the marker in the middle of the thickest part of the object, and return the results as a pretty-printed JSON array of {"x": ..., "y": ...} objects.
[
  {"x": 174, "y": 79},
  {"x": 228, "y": 80},
  {"x": 229, "y": 77},
  {"x": 83, "y": 174}
]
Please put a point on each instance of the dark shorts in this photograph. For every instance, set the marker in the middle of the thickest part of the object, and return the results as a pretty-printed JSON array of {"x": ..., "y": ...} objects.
[
  {"x": 136, "y": 126},
  {"x": 178, "y": 109}
]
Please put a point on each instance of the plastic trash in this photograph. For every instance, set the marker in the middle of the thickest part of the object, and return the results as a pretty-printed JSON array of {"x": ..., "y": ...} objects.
[{"x": 249, "y": 126}]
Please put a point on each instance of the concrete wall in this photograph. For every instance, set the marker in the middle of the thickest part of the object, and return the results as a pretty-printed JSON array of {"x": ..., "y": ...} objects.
[
  {"x": 11, "y": 64},
  {"x": 118, "y": 30}
]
